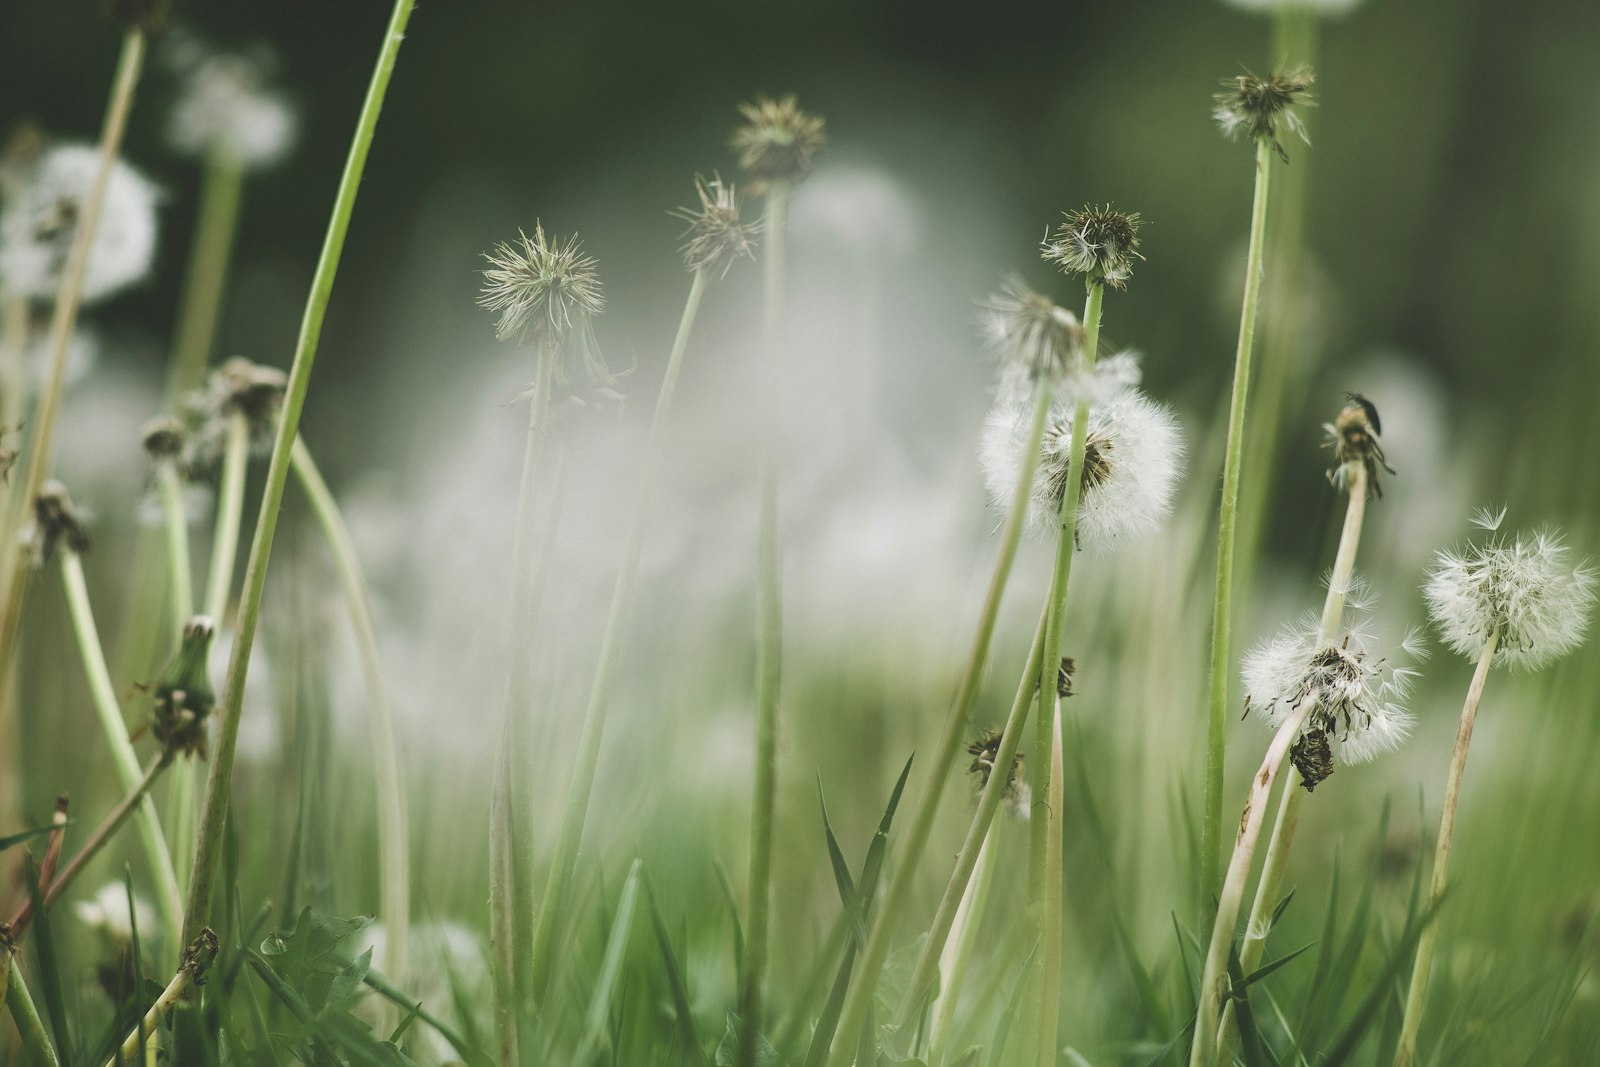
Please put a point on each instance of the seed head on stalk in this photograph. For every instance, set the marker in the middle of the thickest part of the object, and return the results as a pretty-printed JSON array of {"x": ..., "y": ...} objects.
[
  {"x": 1100, "y": 243},
  {"x": 778, "y": 141},
  {"x": 716, "y": 236},
  {"x": 1256, "y": 107}
]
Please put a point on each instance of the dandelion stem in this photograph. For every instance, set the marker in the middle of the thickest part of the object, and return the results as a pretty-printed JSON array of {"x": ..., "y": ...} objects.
[
  {"x": 196, "y": 958},
  {"x": 503, "y": 943},
  {"x": 617, "y": 616},
  {"x": 170, "y": 485},
  {"x": 769, "y": 636},
  {"x": 1277, "y": 859},
  {"x": 864, "y": 987},
  {"x": 1406, "y": 1052},
  {"x": 1214, "y": 978},
  {"x": 26, "y": 1015},
  {"x": 230, "y": 515},
  {"x": 207, "y": 274},
  {"x": 957, "y": 951},
  {"x": 394, "y": 838},
  {"x": 208, "y": 845},
  {"x": 106, "y": 707},
  {"x": 1228, "y": 514}
]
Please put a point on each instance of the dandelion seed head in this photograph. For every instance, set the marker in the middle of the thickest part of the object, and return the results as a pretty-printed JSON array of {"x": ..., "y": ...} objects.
[
  {"x": 1101, "y": 243},
  {"x": 716, "y": 237},
  {"x": 1316, "y": 7},
  {"x": 108, "y": 913},
  {"x": 1524, "y": 588},
  {"x": 778, "y": 141},
  {"x": 985, "y": 749},
  {"x": 1256, "y": 107},
  {"x": 1029, "y": 331},
  {"x": 163, "y": 438},
  {"x": 864, "y": 210},
  {"x": 540, "y": 287},
  {"x": 228, "y": 108},
  {"x": 237, "y": 386},
  {"x": 39, "y": 223},
  {"x": 57, "y": 522}
]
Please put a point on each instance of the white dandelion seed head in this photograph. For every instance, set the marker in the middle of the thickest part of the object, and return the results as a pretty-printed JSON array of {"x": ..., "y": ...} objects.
[
  {"x": 40, "y": 222},
  {"x": 1524, "y": 588},
  {"x": 1132, "y": 459},
  {"x": 107, "y": 912},
  {"x": 1025, "y": 329},
  {"x": 1316, "y": 7},
  {"x": 861, "y": 208},
  {"x": 228, "y": 108},
  {"x": 1359, "y": 696}
]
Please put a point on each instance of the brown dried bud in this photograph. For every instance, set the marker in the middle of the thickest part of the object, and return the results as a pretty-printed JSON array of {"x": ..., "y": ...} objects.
[
  {"x": 56, "y": 523},
  {"x": 163, "y": 438},
  {"x": 1312, "y": 756}
]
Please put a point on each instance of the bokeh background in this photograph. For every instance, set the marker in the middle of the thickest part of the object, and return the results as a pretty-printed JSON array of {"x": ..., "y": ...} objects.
[{"x": 1453, "y": 257}]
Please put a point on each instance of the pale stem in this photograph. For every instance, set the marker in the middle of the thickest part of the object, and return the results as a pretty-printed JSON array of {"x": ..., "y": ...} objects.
[
  {"x": 230, "y": 515},
  {"x": 1050, "y": 924},
  {"x": 13, "y": 398},
  {"x": 26, "y": 1015},
  {"x": 1214, "y": 978},
  {"x": 206, "y": 277},
  {"x": 502, "y": 902},
  {"x": 219, "y": 785},
  {"x": 195, "y": 960},
  {"x": 169, "y": 483},
  {"x": 394, "y": 837},
  {"x": 958, "y": 949},
  {"x": 586, "y": 762},
  {"x": 1228, "y": 514},
  {"x": 129, "y": 773},
  {"x": 1416, "y": 997}
]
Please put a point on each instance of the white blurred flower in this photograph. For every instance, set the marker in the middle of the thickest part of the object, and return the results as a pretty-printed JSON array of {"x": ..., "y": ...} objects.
[
  {"x": 1525, "y": 589},
  {"x": 1359, "y": 696},
  {"x": 861, "y": 208},
  {"x": 227, "y": 108},
  {"x": 1132, "y": 457},
  {"x": 1028, "y": 331},
  {"x": 1316, "y": 7},
  {"x": 83, "y": 353},
  {"x": 40, "y": 222},
  {"x": 107, "y": 912}
]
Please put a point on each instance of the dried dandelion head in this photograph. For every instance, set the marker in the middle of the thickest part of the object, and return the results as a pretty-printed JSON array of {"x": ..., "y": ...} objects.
[
  {"x": 238, "y": 386},
  {"x": 163, "y": 438},
  {"x": 1100, "y": 243},
  {"x": 1256, "y": 107},
  {"x": 540, "y": 286},
  {"x": 184, "y": 699},
  {"x": 1028, "y": 331},
  {"x": 985, "y": 749},
  {"x": 56, "y": 523},
  {"x": 1353, "y": 436},
  {"x": 778, "y": 142},
  {"x": 716, "y": 237}
]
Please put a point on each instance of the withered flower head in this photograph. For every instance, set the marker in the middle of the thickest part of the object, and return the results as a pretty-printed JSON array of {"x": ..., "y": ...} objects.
[
  {"x": 183, "y": 698},
  {"x": 1064, "y": 677},
  {"x": 147, "y": 15},
  {"x": 56, "y": 523},
  {"x": 540, "y": 286},
  {"x": 163, "y": 438},
  {"x": 1253, "y": 106},
  {"x": 1312, "y": 756},
  {"x": 237, "y": 386},
  {"x": 1027, "y": 330},
  {"x": 1353, "y": 436},
  {"x": 985, "y": 749},
  {"x": 778, "y": 141},
  {"x": 716, "y": 236},
  {"x": 1101, "y": 243}
]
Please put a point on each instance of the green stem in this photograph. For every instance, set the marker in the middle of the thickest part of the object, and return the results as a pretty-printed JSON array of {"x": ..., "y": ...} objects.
[
  {"x": 579, "y": 789},
  {"x": 208, "y": 845},
  {"x": 864, "y": 987},
  {"x": 958, "y": 949},
  {"x": 207, "y": 275},
  {"x": 26, "y": 1016},
  {"x": 503, "y": 941},
  {"x": 1416, "y": 997},
  {"x": 1228, "y": 514},
  {"x": 230, "y": 515},
  {"x": 169, "y": 484},
  {"x": 129, "y": 773},
  {"x": 769, "y": 639},
  {"x": 394, "y": 837}
]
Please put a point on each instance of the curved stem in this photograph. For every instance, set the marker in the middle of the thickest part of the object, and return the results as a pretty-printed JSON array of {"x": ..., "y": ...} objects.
[
  {"x": 394, "y": 837},
  {"x": 207, "y": 274},
  {"x": 26, "y": 1015},
  {"x": 1228, "y": 515},
  {"x": 116, "y": 733},
  {"x": 230, "y": 515},
  {"x": 1416, "y": 996},
  {"x": 208, "y": 845}
]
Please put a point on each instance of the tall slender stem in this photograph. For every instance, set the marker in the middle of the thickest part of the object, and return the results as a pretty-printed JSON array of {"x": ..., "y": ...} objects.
[
  {"x": 503, "y": 942},
  {"x": 230, "y": 515},
  {"x": 1416, "y": 997},
  {"x": 208, "y": 845},
  {"x": 104, "y": 696},
  {"x": 394, "y": 836},
  {"x": 201, "y": 951},
  {"x": 13, "y": 406},
  {"x": 1214, "y": 977},
  {"x": 207, "y": 274},
  {"x": 26, "y": 1015},
  {"x": 1228, "y": 514},
  {"x": 769, "y": 636},
  {"x": 169, "y": 483},
  {"x": 957, "y": 952}
]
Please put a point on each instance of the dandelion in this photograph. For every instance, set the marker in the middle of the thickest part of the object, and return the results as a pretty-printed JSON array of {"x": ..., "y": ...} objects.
[
  {"x": 716, "y": 236},
  {"x": 984, "y": 750},
  {"x": 40, "y": 222},
  {"x": 109, "y": 914},
  {"x": 227, "y": 108},
  {"x": 540, "y": 286},
  {"x": 242, "y": 387},
  {"x": 864, "y": 210},
  {"x": 183, "y": 699},
  {"x": 1028, "y": 331},
  {"x": 1315, "y": 7},
  {"x": 1256, "y": 107},
  {"x": 1100, "y": 243},
  {"x": 56, "y": 523},
  {"x": 778, "y": 142}
]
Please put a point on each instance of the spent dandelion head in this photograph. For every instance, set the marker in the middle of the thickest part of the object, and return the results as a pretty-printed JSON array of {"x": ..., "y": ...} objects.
[
  {"x": 56, "y": 523},
  {"x": 1028, "y": 331},
  {"x": 1524, "y": 590},
  {"x": 540, "y": 286},
  {"x": 163, "y": 438},
  {"x": 985, "y": 750},
  {"x": 1100, "y": 243},
  {"x": 1353, "y": 436},
  {"x": 147, "y": 16},
  {"x": 778, "y": 142},
  {"x": 227, "y": 106},
  {"x": 716, "y": 236},
  {"x": 183, "y": 698},
  {"x": 1260, "y": 108},
  {"x": 238, "y": 386}
]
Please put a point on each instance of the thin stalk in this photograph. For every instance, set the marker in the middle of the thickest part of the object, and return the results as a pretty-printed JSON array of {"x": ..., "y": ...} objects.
[
  {"x": 1044, "y": 828},
  {"x": 13, "y": 408},
  {"x": 129, "y": 773},
  {"x": 503, "y": 941},
  {"x": 595, "y": 713},
  {"x": 394, "y": 835},
  {"x": 13, "y": 392},
  {"x": 230, "y": 515},
  {"x": 169, "y": 484},
  {"x": 1214, "y": 978},
  {"x": 528, "y": 485},
  {"x": 1405, "y": 1055},
  {"x": 863, "y": 988},
  {"x": 196, "y": 958},
  {"x": 62, "y": 324},
  {"x": 957, "y": 953},
  {"x": 29, "y": 1024},
  {"x": 1228, "y": 515},
  {"x": 207, "y": 274},
  {"x": 208, "y": 845},
  {"x": 1276, "y": 862},
  {"x": 769, "y": 639}
]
